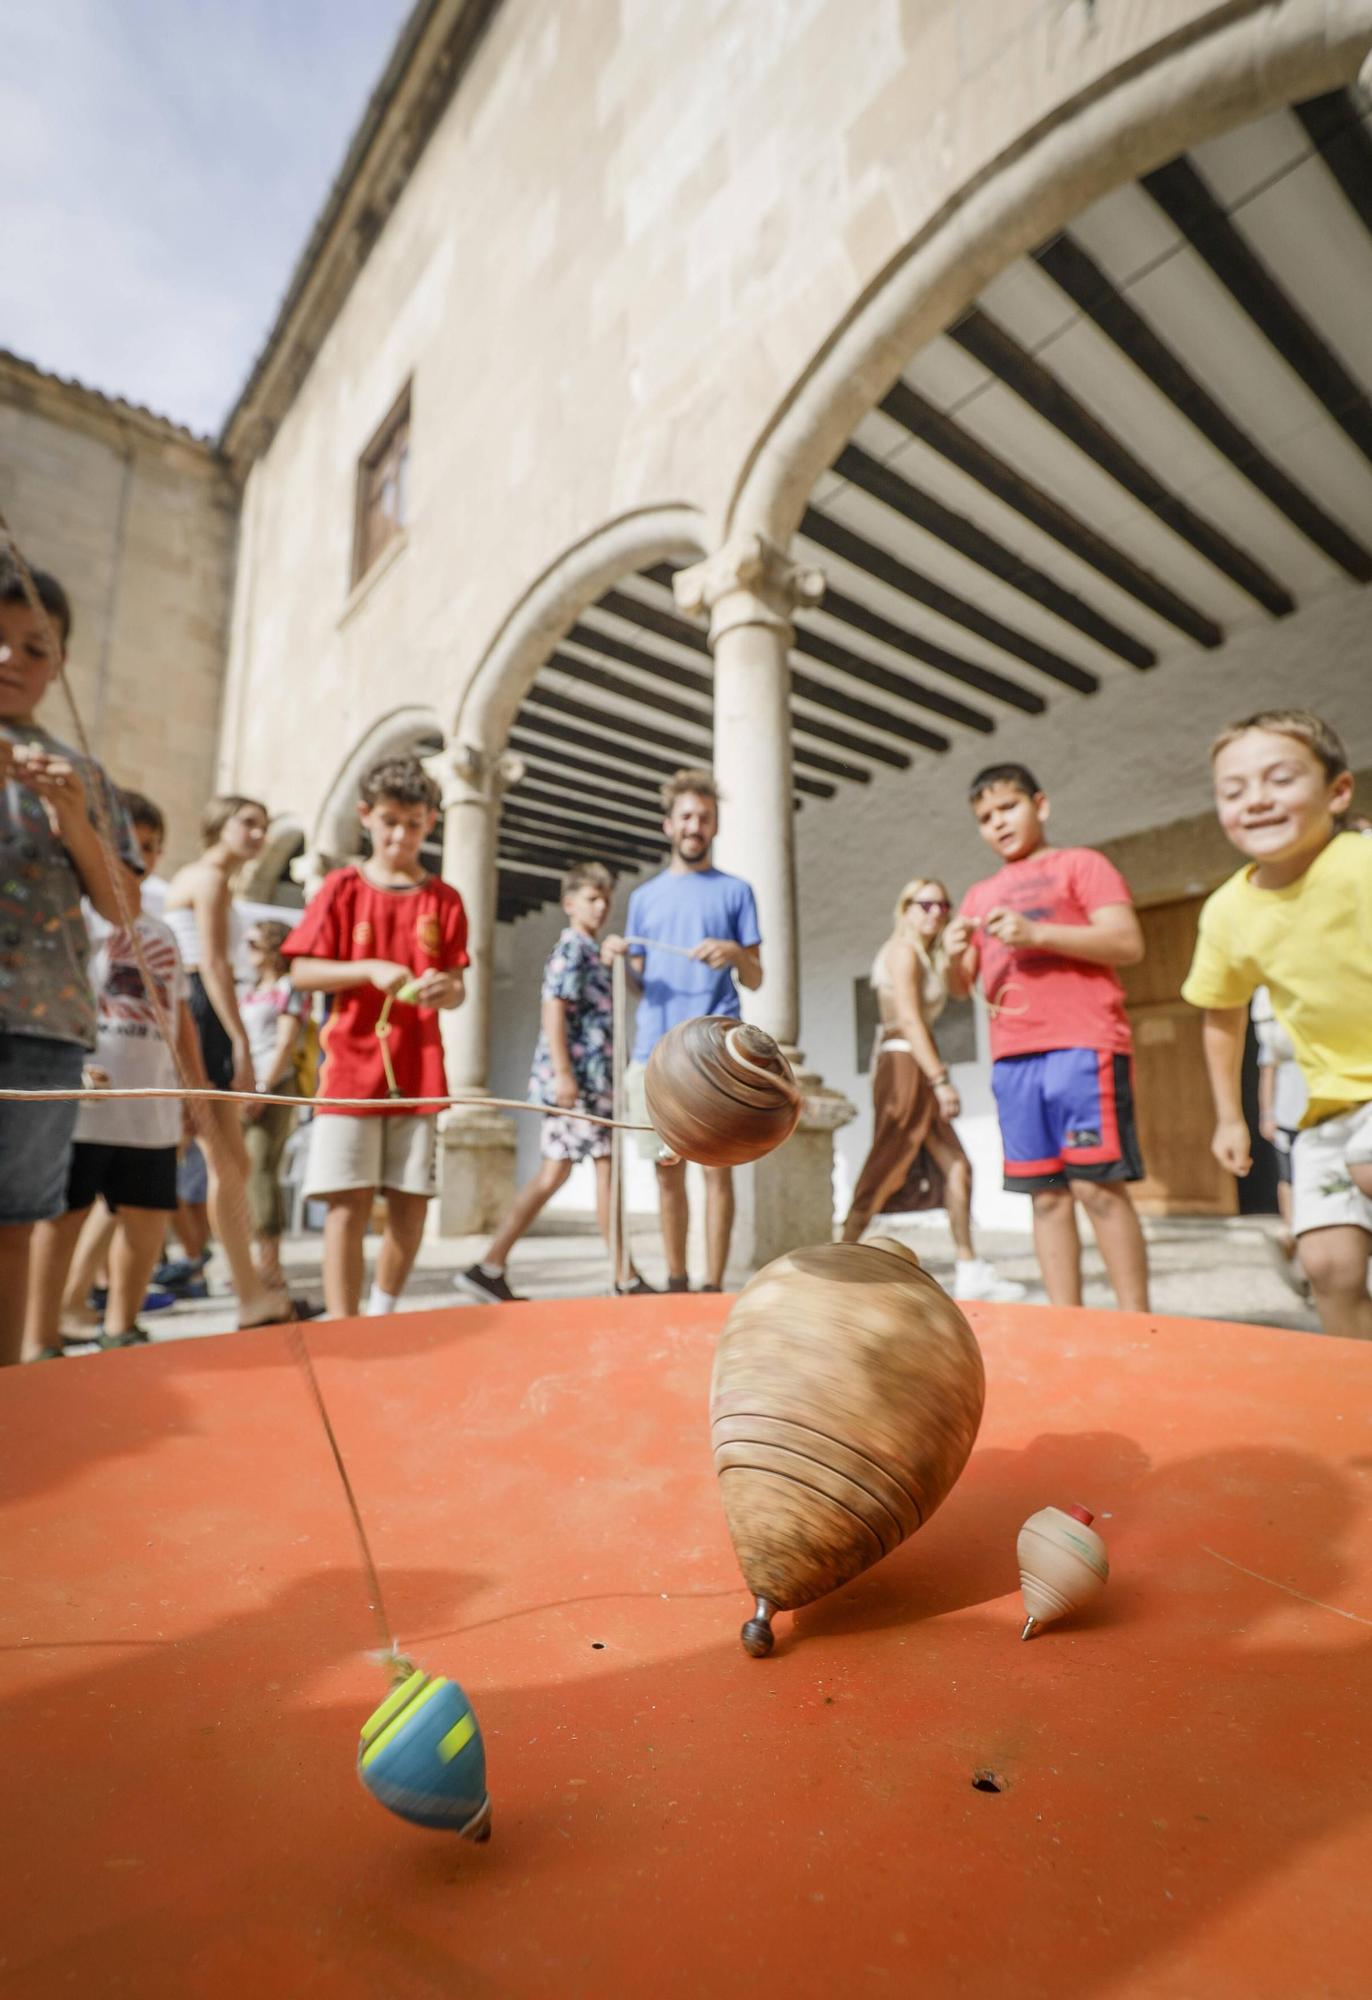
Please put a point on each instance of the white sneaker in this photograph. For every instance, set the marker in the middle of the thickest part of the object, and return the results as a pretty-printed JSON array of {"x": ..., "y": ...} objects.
[{"x": 974, "y": 1278}]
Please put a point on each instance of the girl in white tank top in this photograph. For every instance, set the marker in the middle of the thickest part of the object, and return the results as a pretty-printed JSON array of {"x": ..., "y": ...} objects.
[
  {"x": 199, "y": 909},
  {"x": 914, "y": 1099}
]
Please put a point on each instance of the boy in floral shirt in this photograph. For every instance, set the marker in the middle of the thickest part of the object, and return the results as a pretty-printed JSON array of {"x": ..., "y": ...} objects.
[{"x": 573, "y": 1068}]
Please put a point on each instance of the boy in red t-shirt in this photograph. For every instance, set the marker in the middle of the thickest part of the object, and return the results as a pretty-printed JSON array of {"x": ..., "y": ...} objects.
[
  {"x": 1046, "y": 934},
  {"x": 372, "y": 931}
]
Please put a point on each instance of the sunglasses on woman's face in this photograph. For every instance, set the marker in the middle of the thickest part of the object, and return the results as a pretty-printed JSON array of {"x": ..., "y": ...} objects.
[{"x": 933, "y": 909}]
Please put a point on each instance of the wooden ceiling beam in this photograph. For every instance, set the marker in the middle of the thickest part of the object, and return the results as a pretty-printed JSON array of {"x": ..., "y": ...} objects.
[
  {"x": 912, "y": 583},
  {"x": 588, "y": 834},
  {"x": 1333, "y": 124},
  {"x": 554, "y": 752},
  {"x": 962, "y": 535},
  {"x": 802, "y": 724},
  {"x": 536, "y": 785},
  {"x": 1083, "y": 281},
  {"x": 977, "y": 334},
  {"x": 1189, "y": 206},
  {"x": 914, "y": 413}
]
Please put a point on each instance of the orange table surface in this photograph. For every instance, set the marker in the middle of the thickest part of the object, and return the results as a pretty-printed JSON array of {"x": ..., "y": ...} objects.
[{"x": 1186, "y": 1770}]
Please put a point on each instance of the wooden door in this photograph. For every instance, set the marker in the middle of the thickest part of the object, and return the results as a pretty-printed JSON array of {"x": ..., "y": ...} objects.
[{"x": 1171, "y": 1091}]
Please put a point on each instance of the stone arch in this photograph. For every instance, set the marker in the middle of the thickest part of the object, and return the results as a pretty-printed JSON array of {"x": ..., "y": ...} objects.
[
  {"x": 285, "y": 841},
  {"x": 552, "y": 604},
  {"x": 403, "y": 732},
  {"x": 1206, "y": 79}
]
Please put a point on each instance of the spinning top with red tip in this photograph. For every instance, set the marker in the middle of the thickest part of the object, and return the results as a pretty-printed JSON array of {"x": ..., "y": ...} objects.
[{"x": 1062, "y": 1564}]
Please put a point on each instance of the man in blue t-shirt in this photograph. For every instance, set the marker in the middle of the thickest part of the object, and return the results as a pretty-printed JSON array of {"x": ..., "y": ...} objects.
[{"x": 710, "y": 920}]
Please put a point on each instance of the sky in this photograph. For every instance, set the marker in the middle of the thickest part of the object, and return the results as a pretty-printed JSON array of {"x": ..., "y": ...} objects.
[{"x": 161, "y": 165}]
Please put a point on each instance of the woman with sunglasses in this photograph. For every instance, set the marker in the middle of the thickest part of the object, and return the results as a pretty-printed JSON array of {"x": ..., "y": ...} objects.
[{"x": 913, "y": 1097}]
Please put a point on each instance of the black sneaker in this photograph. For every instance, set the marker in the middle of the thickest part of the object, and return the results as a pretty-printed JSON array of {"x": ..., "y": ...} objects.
[
  {"x": 639, "y": 1289},
  {"x": 678, "y": 1284},
  {"x": 175, "y": 1273},
  {"x": 712, "y": 1288},
  {"x": 477, "y": 1284}
]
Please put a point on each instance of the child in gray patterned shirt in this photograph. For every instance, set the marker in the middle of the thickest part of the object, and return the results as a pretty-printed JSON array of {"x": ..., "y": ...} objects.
[{"x": 51, "y": 855}]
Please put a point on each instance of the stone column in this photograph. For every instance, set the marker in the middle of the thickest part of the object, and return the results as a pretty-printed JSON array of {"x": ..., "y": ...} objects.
[
  {"x": 476, "y": 1176},
  {"x": 750, "y": 590}
]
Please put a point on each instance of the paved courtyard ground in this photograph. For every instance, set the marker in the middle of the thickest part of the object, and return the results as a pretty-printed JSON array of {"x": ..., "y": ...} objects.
[{"x": 1202, "y": 1269}]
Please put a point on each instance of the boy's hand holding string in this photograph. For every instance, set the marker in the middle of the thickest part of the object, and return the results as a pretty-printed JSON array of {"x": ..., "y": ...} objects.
[
  {"x": 111, "y": 887},
  {"x": 434, "y": 988}
]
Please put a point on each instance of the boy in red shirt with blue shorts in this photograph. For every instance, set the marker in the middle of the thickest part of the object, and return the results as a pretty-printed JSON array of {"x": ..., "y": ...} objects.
[
  {"x": 1045, "y": 934},
  {"x": 382, "y": 930}
]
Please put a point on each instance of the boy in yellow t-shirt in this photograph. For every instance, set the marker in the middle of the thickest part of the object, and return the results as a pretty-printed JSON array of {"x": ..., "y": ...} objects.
[{"x": 1297, "y": 917}]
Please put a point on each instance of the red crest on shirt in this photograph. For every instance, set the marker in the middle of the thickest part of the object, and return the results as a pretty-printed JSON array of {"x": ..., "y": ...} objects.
[
  {"x": 363, "y": 934},
  {"x": 430, "y": 935}
]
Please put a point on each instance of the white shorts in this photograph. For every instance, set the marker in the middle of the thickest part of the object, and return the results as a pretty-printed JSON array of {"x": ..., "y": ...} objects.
[
  {"x": 1322, "y": 1191},
  {"x": 396, "y": 1150}
]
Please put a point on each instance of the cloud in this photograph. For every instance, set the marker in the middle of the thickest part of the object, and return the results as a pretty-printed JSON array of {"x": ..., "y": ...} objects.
[{"x": 163, "y": 161}]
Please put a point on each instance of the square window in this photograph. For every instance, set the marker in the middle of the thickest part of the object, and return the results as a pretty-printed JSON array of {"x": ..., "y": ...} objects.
[{"x": 382, "y": 489}]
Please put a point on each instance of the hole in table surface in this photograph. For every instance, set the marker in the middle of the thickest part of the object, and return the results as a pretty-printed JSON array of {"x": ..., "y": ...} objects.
[{"x": 987, "y": 1781}]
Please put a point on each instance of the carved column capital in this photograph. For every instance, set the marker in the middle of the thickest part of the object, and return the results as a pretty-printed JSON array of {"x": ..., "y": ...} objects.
[
  {"x": 310, "y": 868},
  {"x": 467, "y": 775},
  {"x": 749, "y": 581}
]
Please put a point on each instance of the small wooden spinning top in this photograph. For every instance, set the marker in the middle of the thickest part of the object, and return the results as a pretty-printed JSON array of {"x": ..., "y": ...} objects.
[
  {"x": 1062, "y": 1564},
  {"x": 720, "y": 1092}
]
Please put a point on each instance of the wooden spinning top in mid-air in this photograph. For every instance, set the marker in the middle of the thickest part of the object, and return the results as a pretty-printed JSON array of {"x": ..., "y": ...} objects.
[
  {"x": 846, "y": 1397},
  {"x": 720, "y": 1092}
]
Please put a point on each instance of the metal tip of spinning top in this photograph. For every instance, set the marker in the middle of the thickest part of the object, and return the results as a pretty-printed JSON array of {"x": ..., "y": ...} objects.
[
  {"x": 757, "y": 1634},
  {"x": 1030, "y": 1626},
  {"x": 478, "y": 1828}
]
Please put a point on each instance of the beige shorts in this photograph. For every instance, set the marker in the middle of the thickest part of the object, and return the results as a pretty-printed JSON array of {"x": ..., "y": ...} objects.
[
  {"x": 398, "y": 1150},
  {"x": 1323, "y": 1193}
]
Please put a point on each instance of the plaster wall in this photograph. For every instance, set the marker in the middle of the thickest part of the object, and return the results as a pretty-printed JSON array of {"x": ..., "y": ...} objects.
[
  {"x": 137, "y": 520},
  {"x": 634, "y": 228}
]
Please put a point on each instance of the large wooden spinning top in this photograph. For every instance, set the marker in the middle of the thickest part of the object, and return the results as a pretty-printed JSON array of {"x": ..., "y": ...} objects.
[
  {"x": 720, "y": 1092},
  {"x": 846, "y": 1397}
]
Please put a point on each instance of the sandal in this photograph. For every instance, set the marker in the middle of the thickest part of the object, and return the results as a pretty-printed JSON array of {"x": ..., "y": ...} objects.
[{"x": 133, "y": 1336}]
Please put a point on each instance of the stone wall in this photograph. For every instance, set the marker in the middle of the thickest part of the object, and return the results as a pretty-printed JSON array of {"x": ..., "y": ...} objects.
[
  {"x": 634, "y": 228},
  {"x": 137, "y": 518}
]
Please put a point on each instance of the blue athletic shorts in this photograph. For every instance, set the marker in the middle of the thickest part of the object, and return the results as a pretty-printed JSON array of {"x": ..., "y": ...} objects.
[
  {"x": 1067, "y": 1115},
  {"x": 35, "y": 1139}
]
